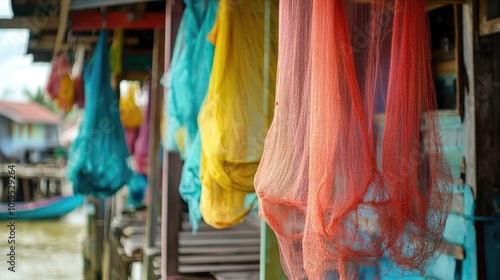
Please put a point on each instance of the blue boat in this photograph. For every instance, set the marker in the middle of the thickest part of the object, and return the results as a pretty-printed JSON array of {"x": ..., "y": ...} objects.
[{"x": 50, "y": 208}]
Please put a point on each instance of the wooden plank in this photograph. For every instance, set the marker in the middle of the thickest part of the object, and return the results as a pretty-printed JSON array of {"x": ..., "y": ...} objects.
[
  {"x": 34, "y": 24},
  {"x": 247, "y": 275},
  {"x": 152, "y": 252},
  {"x": 43, "y": 44},
  {"x": 26, "y": 190},
  {"x": 248, "y": 224},
  {"x": 139, "y": 230},
  {"x": 227, "y": 259},
  {"x": 219, "y": 235},
  {"x": 219, "y": 242},
  {"x": 445, "y": 68},
  {"x": 455, "y": 250},
  {"x": 217, "y": 268},
  {"x": 218, "y": 250},
  {"x": 457, "y": 205},
  {"x": 487, "y": 27},
  {"x": 459, "y": 55}
]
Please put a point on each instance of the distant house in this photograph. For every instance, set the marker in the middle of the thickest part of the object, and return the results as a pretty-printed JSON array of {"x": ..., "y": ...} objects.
[{"x": 27, "y": 131}]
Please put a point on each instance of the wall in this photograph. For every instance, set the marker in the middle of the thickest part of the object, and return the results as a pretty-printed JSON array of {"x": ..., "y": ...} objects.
[
  {"x": 5, "y": 138},
  {"x": 25, "y": 137}
]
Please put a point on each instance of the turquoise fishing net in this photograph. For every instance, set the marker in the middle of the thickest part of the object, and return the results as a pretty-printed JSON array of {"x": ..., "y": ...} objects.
[
  {"x": 137, "y": 190},
  {"x": 187, "y": 83},
  {"x": 98, "y": 159}
]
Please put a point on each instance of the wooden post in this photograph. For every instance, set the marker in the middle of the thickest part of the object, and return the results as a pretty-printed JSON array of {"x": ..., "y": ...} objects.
[
  {"x": 172, "y": 166},
  {"x": 106, "y": 258},
  {"x": 26, "y": 190},
  {"x": 166, "y": 267},
  {"x": 154, "y": 166}
]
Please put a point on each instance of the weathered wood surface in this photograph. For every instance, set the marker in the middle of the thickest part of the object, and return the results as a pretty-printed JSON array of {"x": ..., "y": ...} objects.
[
  {"x": 235, "y": 250},
  {"x": 487, "y": 117},
  {"x": 31, "y": 171}
]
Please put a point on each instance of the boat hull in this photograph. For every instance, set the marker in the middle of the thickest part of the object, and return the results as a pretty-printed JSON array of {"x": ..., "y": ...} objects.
[{"x": 51, "y": 208}]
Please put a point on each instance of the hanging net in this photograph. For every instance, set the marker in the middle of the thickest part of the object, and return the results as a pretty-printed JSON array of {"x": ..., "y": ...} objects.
[
  {"x": 137, "y": 190},
  {"x": 66, "y": 96},
  {"x": 130, "y": 114},
  {"x": 59, "y": 69},
  {"x": 115, "y": 52},
  {"x": 77, "y": 75},
  {"x": 187, "y": 83},
  {"x": 98, "y": 159},
  {"x": 239, "y": 106},
  {"x": 141, "y": 145},
  {"x": 353, "y": 170},
  {"x": 187, "y": 79}
]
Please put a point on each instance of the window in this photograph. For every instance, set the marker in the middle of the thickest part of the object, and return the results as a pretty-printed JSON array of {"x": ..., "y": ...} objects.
[
  {"x": 446, "y": 43},
  {"x": 489, "y": 16}
]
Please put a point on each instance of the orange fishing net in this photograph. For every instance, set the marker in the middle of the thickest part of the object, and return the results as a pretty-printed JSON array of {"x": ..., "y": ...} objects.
[{"x": 353, "y": 169}]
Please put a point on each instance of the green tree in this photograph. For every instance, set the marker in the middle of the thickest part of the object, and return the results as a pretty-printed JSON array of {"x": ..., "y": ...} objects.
[{"x": 40, "y": 97}]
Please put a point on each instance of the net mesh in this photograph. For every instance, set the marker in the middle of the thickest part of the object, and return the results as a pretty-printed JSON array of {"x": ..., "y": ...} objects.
[
  {"x": 238, "y": 110},
  {"x": 141, "y": 145},
  {"x": 187, "y": 82},
  {"x": 98, "y": 158},
  {"x": 353, "y": 170}
]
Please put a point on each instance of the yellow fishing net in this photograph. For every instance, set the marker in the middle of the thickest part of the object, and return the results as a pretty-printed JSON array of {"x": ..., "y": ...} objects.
[
  {"x": 115, "y": 52},
  {"x": 66, "y": 97},
  {"x": 238, "y": 109},
  {"x": 130, "y": 114}
]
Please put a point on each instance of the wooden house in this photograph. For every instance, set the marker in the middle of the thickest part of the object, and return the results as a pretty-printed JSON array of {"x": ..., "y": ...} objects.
[{"x": 27, "y": 130}]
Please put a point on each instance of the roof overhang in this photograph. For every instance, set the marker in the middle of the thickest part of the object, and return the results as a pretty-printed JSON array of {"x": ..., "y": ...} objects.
[{"x": 91, "y": 4}]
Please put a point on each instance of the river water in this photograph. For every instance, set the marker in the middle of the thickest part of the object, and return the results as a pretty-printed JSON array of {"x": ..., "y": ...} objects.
[{"x": 49, "y": 250}]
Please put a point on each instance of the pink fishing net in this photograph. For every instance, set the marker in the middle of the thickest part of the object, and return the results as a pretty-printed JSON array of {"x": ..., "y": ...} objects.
[
  {"x": 353, "y": 169},
  {"x": 142, "y": 142}
]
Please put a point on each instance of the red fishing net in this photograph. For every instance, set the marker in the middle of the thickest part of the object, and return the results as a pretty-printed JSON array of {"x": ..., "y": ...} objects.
[{"x": 353, "y": 169}]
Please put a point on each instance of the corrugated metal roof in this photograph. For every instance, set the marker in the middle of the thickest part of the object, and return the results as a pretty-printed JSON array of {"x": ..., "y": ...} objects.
[{"x": 28, "y": 113}]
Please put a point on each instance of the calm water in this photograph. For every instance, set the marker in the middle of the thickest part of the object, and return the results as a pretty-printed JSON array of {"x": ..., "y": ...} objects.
[{"x": 46, "y": 249}]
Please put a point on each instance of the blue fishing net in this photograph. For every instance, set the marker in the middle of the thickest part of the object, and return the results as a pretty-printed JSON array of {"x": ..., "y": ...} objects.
[
  {"x": 137, "y": 189},
  {"x": 98, "y": 159},
  {"x": 187, "y": 83}
]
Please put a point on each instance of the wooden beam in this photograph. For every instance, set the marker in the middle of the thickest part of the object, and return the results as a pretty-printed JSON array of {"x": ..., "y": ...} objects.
[
  {"x": 172, "y": 165},
  {"x": 63, "y": 26},
  {"x": 169, "y": 263},
  {"x": 86, "y": 20},
  {"x": 34, "y": 24},
  {"x": 93, "y": 40},
  {"x": 45, "y": 45},
  {"x": 455, "y": 250},
  {"x": 436, "y": 4},
  {"x": 154, "y": 163},
  {"x": 155, "y": 115}
]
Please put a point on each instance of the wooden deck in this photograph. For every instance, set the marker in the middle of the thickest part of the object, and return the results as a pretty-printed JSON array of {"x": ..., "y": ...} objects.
[
  {"x": 232, "y": 253},
  {"x": 35, "y": 171}
]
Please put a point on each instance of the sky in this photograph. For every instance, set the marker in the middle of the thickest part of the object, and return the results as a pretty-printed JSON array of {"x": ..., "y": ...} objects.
[{"x": 17, "y": 70}]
